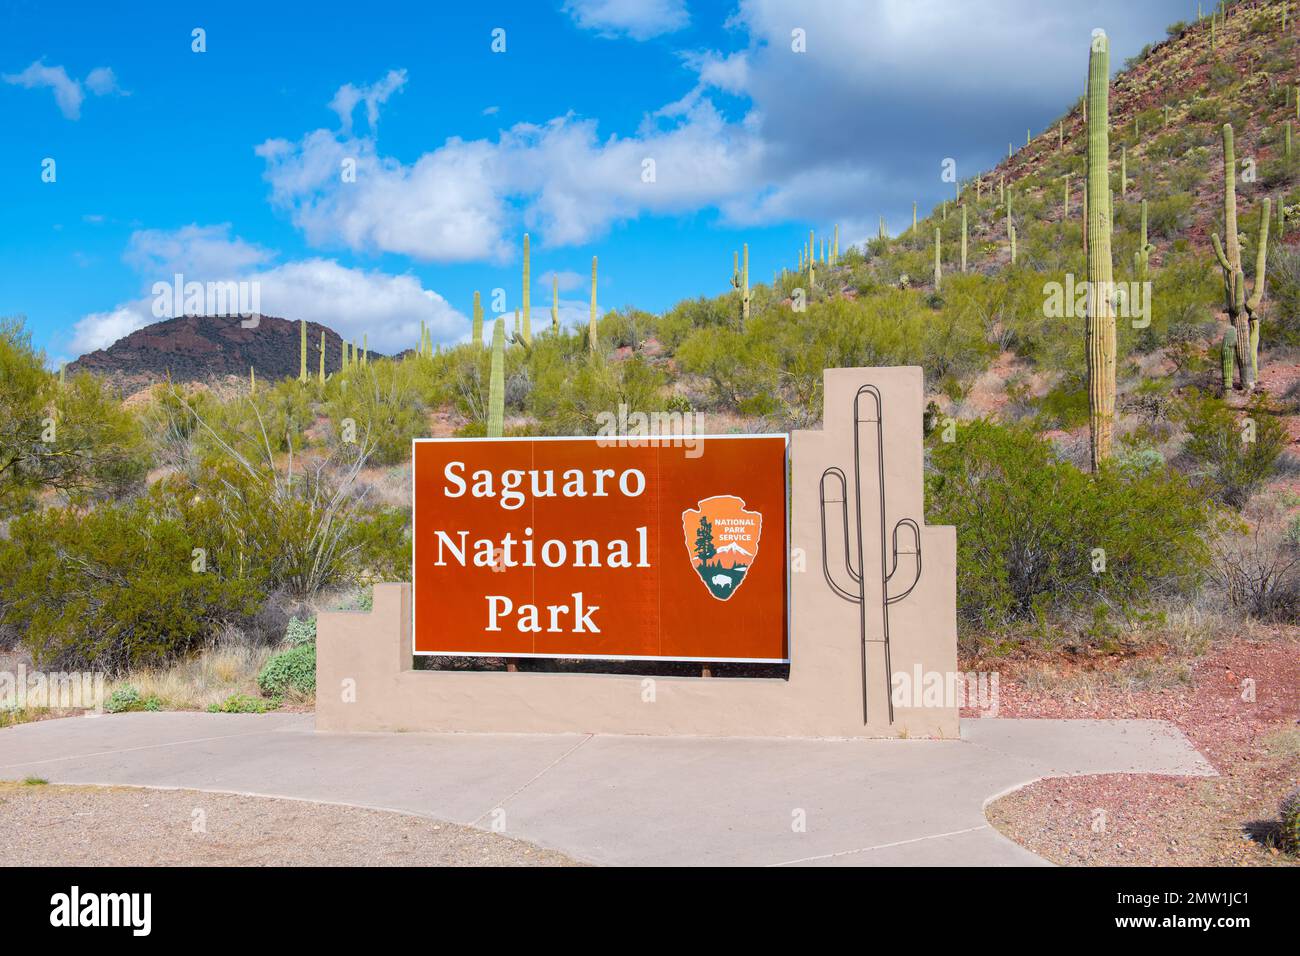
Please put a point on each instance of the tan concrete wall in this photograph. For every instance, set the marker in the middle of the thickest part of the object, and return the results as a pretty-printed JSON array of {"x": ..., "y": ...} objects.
[{"x": 367, "y": 656}]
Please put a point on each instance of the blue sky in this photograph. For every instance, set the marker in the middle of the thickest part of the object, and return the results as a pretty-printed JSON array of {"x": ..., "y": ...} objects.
[{"x": 229, "y": 163}]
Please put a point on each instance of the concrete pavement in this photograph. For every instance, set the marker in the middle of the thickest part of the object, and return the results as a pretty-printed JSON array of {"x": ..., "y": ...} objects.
[{"x": 625, "y": 800}]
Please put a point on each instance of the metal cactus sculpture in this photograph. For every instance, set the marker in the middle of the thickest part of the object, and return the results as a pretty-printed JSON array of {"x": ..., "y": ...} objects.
[
  {"x": 1243, "y": 310},
  {"x": 873, "y": 595},
  {"x": 1099, "y": 330},
  {"x": 497, "y": 380}
]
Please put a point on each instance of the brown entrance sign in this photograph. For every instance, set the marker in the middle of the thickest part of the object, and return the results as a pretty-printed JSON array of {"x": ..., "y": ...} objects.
[{"x": 636, "y": 548}]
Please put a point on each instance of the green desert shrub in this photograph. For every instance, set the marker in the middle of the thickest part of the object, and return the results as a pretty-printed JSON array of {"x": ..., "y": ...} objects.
[
  {"x": 127, "y": 698},
  {"x": 299, "y": 632},
  {"x": 76, "y": 439},
  {"x": 1290, "y": 822},
  {"x": 116, "y": 587},
  {"x": 1231, "y": 457},
  {"x": 291, "y": 670},
  {"x": 241, "y": 704},
  {"x": 1031, "y": 527}
]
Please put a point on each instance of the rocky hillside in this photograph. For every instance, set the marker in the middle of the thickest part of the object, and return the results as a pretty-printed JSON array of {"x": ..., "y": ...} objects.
[{"x": 198, "y": 348}]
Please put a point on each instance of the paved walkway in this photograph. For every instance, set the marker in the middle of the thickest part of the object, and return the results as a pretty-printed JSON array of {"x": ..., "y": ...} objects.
[{"x": 625, "y": 800}]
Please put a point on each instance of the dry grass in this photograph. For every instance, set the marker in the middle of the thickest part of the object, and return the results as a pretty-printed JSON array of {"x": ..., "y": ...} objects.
[{"x": 207, "y": 678}]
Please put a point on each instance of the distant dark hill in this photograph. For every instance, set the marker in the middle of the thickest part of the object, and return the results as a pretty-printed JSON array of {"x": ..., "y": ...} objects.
[{"x": 196, "y": 348}]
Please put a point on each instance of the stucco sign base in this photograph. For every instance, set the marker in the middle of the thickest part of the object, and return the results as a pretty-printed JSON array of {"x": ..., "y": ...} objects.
[{"x": 366, "y": 680}]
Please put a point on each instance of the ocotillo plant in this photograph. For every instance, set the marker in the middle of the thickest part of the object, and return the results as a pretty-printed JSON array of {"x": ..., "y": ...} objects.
[
  {"x": 938, "y": 268},
  {"x": 497, "y": 380},
  {"x": 873, "y": 594},
  {"x": 591, "y": 322},
  {"x": 528, "y": 322},
  {"x": 302, "y": 350},
  {"x": 963, "y": 237},
  {"x": 1142, "y": 258},
  {"x": 1099, "y": 331},
  {"x": 555, "y": 304},
  {"x": 1242, "y": 309},
  {"x": 1227, "y": 357},
  {"x": 476, "y": 333}
]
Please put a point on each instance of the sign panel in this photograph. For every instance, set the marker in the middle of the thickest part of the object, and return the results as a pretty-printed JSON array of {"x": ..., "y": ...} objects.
[{"x": 602, "y": 548}]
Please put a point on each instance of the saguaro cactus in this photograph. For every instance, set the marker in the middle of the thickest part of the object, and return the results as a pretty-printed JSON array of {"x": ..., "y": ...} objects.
[
  {"x": 476, "y": 333},
  {"x": 744, "y": 287},
  {"x": 812, "y": 252},
  {"x": 1243, "y": 310},
  {"x": 302, "y": 350},
  {"x": 1142, "y": 258},
  {"x": 835, "y": 246},
  {"x": 591, "y": 322},
  {"x": 1123, "y": 170},
  {"x": 938, "y": 267},
  {"x": 873, "y": 595},
  {"x": 528, "y": 312},
  {"x": 497, "y": 380},
  {"x": 555, "y": 304},
  {"x": 963, "y": 237},
  {"x": 322, "y": 356},
  {"x": 252, "y": 381},
  {"x": 1100, "y": 326},
  {"x": 1227, "y": 357}
]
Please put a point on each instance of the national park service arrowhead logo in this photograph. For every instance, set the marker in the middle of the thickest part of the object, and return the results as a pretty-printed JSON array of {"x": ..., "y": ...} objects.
[{"x": 722, "y": 541}]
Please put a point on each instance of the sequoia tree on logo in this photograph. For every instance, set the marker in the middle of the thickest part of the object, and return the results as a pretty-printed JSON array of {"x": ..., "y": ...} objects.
[{"x": 722, "y": 541}]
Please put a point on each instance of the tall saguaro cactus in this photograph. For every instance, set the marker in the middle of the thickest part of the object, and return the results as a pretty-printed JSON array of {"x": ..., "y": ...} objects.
[
  {"x": 812, "y": 251},
  {"x": 938, "y": 267},
  {"x": 835, "y": 245},
  {"x": 963, "y": 237},
  {"x": 744, "y": 287},
  {"x": 528, "y": 322},
  {"x": 1142, "y": 258},
  {"x": 872, "y": 594},
  {"x": 322, "y": 356},
  {"x": 591, "y": 322},
  {"x": 1243, "y": 310},
  {"x": 302, "y": 350},
  {"x": 1099, "y": 331},
  {"x": 497, "y": 380},
  {"x": 477, "y": 328},
  {"x": 555, "y": 304}
]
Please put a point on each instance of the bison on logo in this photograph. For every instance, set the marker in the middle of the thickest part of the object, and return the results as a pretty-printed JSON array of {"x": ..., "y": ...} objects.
[{"x": 722, "y": 541}]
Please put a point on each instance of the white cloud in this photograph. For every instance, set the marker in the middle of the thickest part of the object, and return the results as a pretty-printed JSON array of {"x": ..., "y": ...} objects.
[
  {"x": 354, "y": 302},
  {"x": 102, "y": 81},
  {"x": 68, "y": 92},
  {"x": 348, "y": 96},
  {"x": 203, "y": 251},
  {"x": 458, "y": 202},
  {"x": 638, "y": 19}
]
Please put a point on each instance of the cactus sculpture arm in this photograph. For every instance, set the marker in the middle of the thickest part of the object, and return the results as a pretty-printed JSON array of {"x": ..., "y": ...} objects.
[{"x": 900, "y": 549}]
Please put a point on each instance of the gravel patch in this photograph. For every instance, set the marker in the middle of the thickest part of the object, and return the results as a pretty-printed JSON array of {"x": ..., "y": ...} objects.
[
  {"x": 56, "y": 825},
  {"x": 1240, "y": 707}
]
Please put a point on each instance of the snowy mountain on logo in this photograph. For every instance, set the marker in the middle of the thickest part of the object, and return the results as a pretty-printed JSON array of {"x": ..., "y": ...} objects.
[{"x": 730, "y": 555}]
